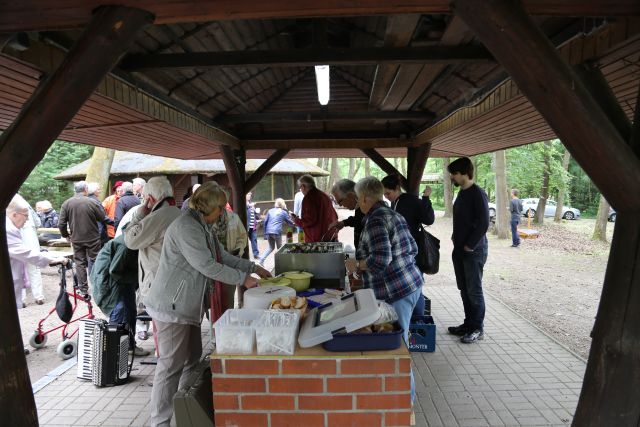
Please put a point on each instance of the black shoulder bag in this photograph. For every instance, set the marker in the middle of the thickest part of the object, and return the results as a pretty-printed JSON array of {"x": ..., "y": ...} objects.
[
  {"x": 428, "y": 258},
  {"x": 63, "y": 305}
]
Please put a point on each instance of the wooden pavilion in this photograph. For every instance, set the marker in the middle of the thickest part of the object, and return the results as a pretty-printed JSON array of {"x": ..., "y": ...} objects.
[{"x": 416, "y": 78}]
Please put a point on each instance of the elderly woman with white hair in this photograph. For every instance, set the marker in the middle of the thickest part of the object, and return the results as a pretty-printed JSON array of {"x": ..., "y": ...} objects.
[
  {"x": 21, "y": 255},
  {"x": 191, "y": 261},
  {"x": 273, "y": 222},
  {"x": 386, "y": 255}
]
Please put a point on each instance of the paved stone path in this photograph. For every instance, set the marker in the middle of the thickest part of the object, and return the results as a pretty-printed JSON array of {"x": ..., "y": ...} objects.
[{"x": 516, "y": 376}]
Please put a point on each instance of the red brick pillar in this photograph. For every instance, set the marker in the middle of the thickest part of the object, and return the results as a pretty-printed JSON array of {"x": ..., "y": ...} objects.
[{"x": 316, "y": 388}]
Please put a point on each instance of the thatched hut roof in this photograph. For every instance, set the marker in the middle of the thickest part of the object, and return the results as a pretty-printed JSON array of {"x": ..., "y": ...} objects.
[{"x": 127, "y": 164}]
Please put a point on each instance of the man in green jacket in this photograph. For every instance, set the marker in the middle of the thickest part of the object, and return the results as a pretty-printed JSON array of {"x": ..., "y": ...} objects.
[{"x": 115, "y": 279}]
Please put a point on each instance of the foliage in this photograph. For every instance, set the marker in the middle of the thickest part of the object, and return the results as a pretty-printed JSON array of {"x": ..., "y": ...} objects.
[{"x": 40, "y": 184}]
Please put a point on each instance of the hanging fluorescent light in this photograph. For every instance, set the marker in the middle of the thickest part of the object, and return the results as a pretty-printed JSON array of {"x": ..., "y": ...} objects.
[{"x": 322, "y": 81}]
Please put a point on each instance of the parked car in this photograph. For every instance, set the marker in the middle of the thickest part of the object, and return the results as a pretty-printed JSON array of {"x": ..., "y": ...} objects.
[
  {"x": 612, "y": 215},
  {"x": 530, "y": 205}
]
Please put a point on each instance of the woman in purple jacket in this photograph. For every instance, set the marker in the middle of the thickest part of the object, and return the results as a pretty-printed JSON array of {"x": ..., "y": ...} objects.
[{"x": 275, "y": 219}]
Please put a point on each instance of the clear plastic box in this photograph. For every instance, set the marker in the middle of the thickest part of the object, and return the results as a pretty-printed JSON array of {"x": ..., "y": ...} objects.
[
  {"x": 234, "y": 332},
  {"x": 276, "y": 331}
]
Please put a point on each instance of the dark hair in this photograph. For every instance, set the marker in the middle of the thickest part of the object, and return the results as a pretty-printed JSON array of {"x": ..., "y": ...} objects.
[
  {"x": 463, "y": 166},
  {"x": 391, "y": 181}
]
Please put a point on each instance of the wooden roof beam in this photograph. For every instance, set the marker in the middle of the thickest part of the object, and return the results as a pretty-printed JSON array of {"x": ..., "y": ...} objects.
[
  {"x": 385, "y": 165},
  {"x": 321, "y": 116},
  {"x": 264, "y": 169},
  {"x": 325, "y": 143},
  {"x": 416, "y": 161},
  {"x": 308, "y": 57},
  {"x": 20, "y": 16}
]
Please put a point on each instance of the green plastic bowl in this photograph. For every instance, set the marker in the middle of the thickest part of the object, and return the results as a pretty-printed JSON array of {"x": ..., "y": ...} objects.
[{"x": 300, "y": 280}]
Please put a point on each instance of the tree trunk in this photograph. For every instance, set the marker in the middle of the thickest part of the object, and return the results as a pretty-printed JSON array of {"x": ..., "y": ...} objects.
[
  {"x": 335, "y": 174},
  {"x": 448, "y": 193},
  {"x": 352, "y": 168},
  {"x": 600, "y": 229},
  {"x": 357, "y": 168},
  {"x": 100, "y": 168},
  {"x": 367, "y": 166},
  {"x": 503, "y": 216},
  {"x": 544, "y": 192},
  {"x": 563, "y": 188}
]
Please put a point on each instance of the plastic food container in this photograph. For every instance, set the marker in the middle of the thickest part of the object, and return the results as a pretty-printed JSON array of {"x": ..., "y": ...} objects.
[
  {"x": 261, "y": 296},
  {"x": 365, "y": 342},
  {"x": 234, "y": 332},
  {"x": 276, "y": 332},
  {"x": 300, "y": 280}
]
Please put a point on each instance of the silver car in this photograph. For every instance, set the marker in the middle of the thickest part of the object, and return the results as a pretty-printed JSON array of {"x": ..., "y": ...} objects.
[{"x": 530, "y": 205}]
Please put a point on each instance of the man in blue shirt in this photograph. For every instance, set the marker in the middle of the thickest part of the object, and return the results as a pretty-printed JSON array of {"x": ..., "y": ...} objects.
[{"x": 470, "y": 248}]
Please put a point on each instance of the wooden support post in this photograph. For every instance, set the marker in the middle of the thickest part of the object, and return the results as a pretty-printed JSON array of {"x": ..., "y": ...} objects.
[
  {"x": 558, "y": 93},
  {"x": 416, "y": 161},
  {"x": 610, "y": 394},
  {"x": 264, "y": 169},
  {"x": 24, "y": 144},
  {"x": 385, "y": 165},
  {"x": 234, "y": 162}
]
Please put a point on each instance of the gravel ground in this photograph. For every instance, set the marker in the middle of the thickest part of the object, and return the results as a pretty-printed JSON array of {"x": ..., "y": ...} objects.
[{"x": 554, "y": 281}]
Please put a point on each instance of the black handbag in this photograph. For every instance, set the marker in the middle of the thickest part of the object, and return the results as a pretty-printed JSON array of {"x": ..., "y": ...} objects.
[
  {"x": 63, "y": 305},
  {"x": 428, "y": 258}
]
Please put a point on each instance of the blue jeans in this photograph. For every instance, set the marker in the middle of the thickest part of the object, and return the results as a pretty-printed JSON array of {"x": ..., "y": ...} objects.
[
  {"x": 253, "y": 238},
  {"x": 404, "y": 308},
  {"x": 275, "y": 241},
  {"x": 418, "y": 310},
  {"x": 515, "y": 237},
  {"x": 125, "y": 309},
  {"x": 468, "y": 267}
]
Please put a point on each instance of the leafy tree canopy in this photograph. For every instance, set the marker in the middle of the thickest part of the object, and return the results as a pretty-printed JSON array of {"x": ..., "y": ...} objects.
[{"x": 40, "y": 184}]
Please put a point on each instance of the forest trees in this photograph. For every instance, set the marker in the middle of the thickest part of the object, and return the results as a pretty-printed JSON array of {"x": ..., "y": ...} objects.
[{"x": 40, "y": 184}]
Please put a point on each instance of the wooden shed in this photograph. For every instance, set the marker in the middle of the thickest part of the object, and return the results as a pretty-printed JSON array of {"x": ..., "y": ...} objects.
[
  {"x": 203, "y": 79},
  {"x": 279, "y": 182}
]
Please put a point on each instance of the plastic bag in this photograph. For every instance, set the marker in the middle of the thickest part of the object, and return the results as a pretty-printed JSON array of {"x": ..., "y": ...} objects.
[
  {"x": 63, "y": 305},
  {"x": 387, "y": 313}
]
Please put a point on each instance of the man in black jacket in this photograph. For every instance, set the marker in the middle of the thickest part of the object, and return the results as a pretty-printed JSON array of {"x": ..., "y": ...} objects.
[
  {"x": 470, "y": 248},
  {"x": 126, "y": 202},
  {"x": 79, "y": 218},
  {"x": 344, "y": 194}
]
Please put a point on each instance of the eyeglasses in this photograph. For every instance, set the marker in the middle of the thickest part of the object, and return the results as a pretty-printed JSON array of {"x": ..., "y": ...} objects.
[{"x": 26, "y": 214}]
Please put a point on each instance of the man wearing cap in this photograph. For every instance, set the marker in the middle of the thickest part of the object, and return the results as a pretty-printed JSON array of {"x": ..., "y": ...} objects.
[{"x": 109, "y": 204}]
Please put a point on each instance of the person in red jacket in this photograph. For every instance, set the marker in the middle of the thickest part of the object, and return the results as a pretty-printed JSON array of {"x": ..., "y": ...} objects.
[{"x": 317, "y": 212}]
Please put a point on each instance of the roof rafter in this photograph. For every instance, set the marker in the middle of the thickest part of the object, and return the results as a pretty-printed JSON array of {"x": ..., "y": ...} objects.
[
  {"x": 315, "y": 116},
  {"x": 310, "y": 57}
]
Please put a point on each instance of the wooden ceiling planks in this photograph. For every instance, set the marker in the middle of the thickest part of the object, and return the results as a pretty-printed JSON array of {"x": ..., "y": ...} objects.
[{"x": 33, "y": 15}]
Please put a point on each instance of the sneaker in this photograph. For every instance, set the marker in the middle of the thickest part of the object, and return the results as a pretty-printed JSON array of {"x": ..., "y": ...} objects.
[
  {"x": 40, "y": 301},
  {"x": 139, "y": 352},
  {"x": 143, "y": 335},
  {"x": 458, "y": 330},
  {"x": 473, "y": 336},
  {"x": 515, "y": 246}
]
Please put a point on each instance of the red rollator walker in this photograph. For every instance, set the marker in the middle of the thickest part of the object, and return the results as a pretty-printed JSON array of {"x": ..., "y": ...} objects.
[{"x": 69, "y": 346}]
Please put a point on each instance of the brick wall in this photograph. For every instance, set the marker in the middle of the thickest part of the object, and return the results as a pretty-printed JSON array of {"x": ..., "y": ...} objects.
[{"x": 327, "y": 391}]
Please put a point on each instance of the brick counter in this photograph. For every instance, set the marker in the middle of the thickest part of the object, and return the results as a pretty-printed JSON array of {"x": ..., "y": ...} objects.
[{"x": 313, "y": 388}]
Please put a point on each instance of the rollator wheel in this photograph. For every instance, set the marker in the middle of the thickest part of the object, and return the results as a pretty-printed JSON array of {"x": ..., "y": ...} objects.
[
  {"x": 37, "y": 340},
  {"x": 67, "y": 349}
]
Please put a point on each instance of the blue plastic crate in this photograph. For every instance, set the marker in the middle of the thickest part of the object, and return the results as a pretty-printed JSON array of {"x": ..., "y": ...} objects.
[{"x": 422, "y": 334}]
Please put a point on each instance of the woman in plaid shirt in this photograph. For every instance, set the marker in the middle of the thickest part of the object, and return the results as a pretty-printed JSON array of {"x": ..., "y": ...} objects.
[{"x": 386, "y": 255}]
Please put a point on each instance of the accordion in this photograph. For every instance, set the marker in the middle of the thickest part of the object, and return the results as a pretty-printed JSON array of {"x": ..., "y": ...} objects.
[{"x": 103, "y": 355}]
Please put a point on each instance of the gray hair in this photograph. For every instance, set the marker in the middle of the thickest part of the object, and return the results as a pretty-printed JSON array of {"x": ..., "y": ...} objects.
[
  {"x": 280, "y": 203},
  {"x": 139, "y": 181},
  {"x": 17, "y": 204},
  {"x": 127, "y": 186},
  {"x": 307, "y": 180},
  {"x": 343, "y": 187},
  {"x": 370, "y": 187},
  {"x": 45, "y": 205},
  {"x": 80, "y": 186},
  {"x": 92, "y": 187},
  {"x": 158, "y": 187}
]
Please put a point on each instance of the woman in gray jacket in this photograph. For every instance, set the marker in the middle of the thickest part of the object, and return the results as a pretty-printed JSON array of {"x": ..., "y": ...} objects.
[{"x": 191, "y": 261}]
